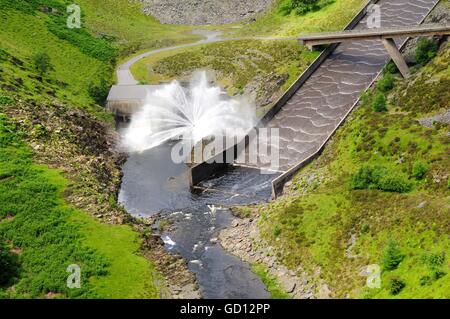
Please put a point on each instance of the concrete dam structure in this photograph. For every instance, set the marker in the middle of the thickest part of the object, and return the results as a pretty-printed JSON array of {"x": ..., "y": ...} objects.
[
  {"x": 316, "y": 110},
  {"x": 317, "y": 104}
]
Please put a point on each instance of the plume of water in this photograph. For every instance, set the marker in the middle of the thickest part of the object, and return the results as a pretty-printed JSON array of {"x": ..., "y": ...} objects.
[{"x": 192, "y": 114}]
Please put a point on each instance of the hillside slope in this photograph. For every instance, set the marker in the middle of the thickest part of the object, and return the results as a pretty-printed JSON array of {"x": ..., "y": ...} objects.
[
  {"x": 59, "y": 172},
  {"x": 379, "y": 195}
]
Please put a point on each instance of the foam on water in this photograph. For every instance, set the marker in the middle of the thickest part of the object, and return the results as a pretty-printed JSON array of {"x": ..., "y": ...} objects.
[{"x": 192, "y": 114}]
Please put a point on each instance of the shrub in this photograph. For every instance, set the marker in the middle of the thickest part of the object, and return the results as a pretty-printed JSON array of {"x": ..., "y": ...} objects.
[
  {"x": 426, "y": 280},
  {"x": 301, "y": 7},
  {"x": 393, "y": 182},
  {"x": 99, "y": 91},
  {"x": 5, "y": 100},
  {"x": 390, "y": 68},
  {"x": 426, "y": 50},
  {"x": 419, "y": 170},
  {"x": 276, "y": 230},
  {"x": 379, "y": 103},
  {"x": 392, "y": 256},
  {"x": 396, "y": 285},
  {"x": 8, "y": 265},
  {"x": 42, "y": 63},
  {"x": 378, "y": 177},
  {"x": 386, "y": 83}
]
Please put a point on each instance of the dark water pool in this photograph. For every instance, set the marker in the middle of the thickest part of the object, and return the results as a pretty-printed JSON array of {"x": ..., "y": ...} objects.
[{"x": 152, "y": 183}]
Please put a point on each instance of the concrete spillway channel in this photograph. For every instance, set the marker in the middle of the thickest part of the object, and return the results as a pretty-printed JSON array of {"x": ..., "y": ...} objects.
[{"x": 314, "y": 112}]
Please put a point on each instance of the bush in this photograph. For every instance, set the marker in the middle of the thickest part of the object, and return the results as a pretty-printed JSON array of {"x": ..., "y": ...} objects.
[
  {"x": 379, "y": 103},
  {"x": 276, "y": 231},
  {"x": 301, "y": 7},
  {"x": 5, "y": 100},
  {"x": 386, "y": 83},
  {"x": 419, "y": 170},
  {"x": 390, "y": 68},
  {"x": 99, "y": 92},
  {"x": 396, "y": 285},
  {"x": 42, "y": 63},
  {"x": 377, "y": 177},
  {"x": 426, "y": 50},
  {"x": 392, "y": 256},
  {"x": 393, "y": 182},
  {"x": 8, "y": 266}
]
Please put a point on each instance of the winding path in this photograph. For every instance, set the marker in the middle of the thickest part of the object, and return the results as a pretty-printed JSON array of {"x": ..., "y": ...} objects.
[{"x": 125, "y": 77}]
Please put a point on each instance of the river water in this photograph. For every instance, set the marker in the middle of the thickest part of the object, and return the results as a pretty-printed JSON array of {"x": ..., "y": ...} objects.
[{"x": 152, "y": 183}]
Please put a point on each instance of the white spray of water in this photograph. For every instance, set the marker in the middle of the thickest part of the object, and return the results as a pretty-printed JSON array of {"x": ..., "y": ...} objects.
[{"x": 174, "y": 112}]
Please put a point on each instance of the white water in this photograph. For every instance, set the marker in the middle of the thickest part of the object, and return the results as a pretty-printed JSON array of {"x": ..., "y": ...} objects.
[{"x": 191, "y": 114}]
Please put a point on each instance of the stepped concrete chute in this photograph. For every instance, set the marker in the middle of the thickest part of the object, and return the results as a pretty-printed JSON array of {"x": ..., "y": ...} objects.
[{"x": 312, "y": 115}]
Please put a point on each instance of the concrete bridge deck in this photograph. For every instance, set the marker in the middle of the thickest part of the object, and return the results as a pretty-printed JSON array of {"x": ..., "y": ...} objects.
[
  {"x": 374, "y": 34},
  {"x": 317, "y": 109}
]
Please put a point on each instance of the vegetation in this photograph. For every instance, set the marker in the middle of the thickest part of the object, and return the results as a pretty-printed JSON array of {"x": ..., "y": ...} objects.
[
  {"x": 236, "y": 64},
  {"x": 419, "y": 170},
  {"x": 378, "y": 177},
  {"x": 331, "y": 17},
  {"x": 273, "y": 287},
  {"x": 8, "y": 266},
  {"x": 45, "y": 235},
  {"x": 392, "y": 256},
  {"x": 400, "y": 223},
  {"x": 379, "y": 103},
  {"x": 302, "y": 7},
  {"x": 44, "y": 64},
  {"x": 426, "y": 51},
  {"x": 41, "y": 62}
]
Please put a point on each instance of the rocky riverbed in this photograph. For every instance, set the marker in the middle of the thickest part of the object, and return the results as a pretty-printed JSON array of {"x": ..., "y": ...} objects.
[
  {"x": 242, "y": 239},
  {"x": 204, "y": 12}
]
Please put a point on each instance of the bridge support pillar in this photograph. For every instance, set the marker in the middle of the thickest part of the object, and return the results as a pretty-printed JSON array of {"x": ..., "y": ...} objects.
[{"x": 397, "y": 57}]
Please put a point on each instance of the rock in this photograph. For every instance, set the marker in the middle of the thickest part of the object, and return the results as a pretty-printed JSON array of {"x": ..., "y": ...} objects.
[
  {"x": 422, "y": 205},
  {"x": 194, "y": 12},
  {"x": 288, "y": 284}
]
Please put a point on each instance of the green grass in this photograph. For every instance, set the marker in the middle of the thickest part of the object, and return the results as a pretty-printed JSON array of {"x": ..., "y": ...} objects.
[
  {"x": 129, "y": 28},
  {"x": 235, "y": 64},
  {"x": 272, "y": 285},
  {"x": 48, "y": 235},
  {"x": 313, "y": 226},
  {"x": 74, "y": 65},
  {"x": 332, "y": 17}
]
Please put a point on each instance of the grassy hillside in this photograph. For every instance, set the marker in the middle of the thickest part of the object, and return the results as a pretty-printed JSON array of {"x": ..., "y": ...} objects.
[
  {"x": 131, "y": 30},
  {"x": 378, "y": 195},
  {"x": 52, "y": 83},
  {"x": 237, "y": 65},
  {"x": 331, "y": 17},
  {"x": 44, "y": 235}
]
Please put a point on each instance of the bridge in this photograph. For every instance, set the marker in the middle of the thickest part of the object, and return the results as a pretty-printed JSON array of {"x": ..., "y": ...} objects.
[{"x": 386, "y": 35}]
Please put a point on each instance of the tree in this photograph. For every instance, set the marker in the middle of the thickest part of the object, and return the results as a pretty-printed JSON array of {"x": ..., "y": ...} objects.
[
  {"x": 42, "y": 63},
  {"x": 379, "y": 103},
  {"x": 392, "y": 256},
  {"x": 300, "y": 7},
  {"x": 8, "y": 265},
  {"x": 99, "y": 91},
  {"x": 426, "y": 50}
]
